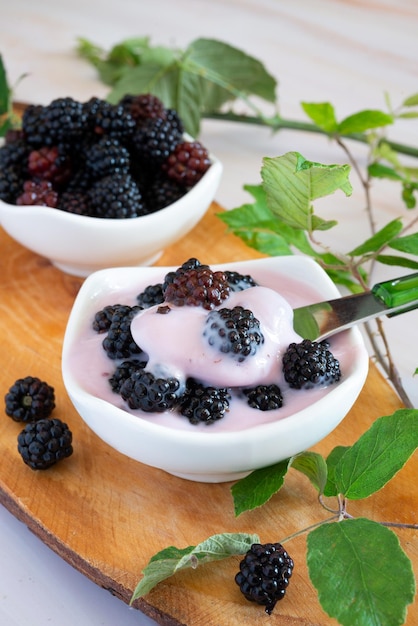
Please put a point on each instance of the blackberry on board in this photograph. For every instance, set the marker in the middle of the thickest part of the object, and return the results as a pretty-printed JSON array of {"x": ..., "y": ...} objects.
[
  {"x": 309, "y": 364},
  {"x": 204, "y": 404},
  {"x": 264, "y": 574},
  {"x": 43, "y": 443},
  {"x": 30, "y": 399},
  {"x": 142, "y": 390},
  {"x": 264, "y": 397},
  {"x": 234, "y": 331},
  {"x": 119, "y": 343},
  {"x": 197, "y": 287}
]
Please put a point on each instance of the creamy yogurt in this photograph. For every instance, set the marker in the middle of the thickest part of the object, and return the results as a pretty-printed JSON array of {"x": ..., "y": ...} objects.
[{"x": 176, "y": 347}]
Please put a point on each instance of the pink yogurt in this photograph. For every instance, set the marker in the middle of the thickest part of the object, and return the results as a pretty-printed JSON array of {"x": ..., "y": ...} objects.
[{"x": 176, "y": 347}]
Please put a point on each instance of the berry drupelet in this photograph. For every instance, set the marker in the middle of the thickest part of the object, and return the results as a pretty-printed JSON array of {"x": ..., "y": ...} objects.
[
  {"x": 310, "y": 364},
  {"x": 44, "y": 443},
  {"x": 30, "y": 399},
  {"x": 264, "y": 574}
]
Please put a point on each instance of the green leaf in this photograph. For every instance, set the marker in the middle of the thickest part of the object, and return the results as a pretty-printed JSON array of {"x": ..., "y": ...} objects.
[
  {"x": 291, "y": 183},
  {"x": 408, "y": 244},
  {"x": 171, "y": 560},
  {"x": 377, "y": 455},
  {"x": 333, "y": 459},
  {"x": 312, "y": 465},
  {"x": 377, "y": 170},
  {"x": 323, "y": 114},
  {"x": 4, "y": 89},
  {"x": 411, "y": 101},
  {"x": 361, "y": 573},
  {"x": 379, "y": 239},
  {"x": 364, "y": 120},
  {"x": 258, "y": 487},
  {"x": 408, "y": 191},
  {"x": 397, "y": 261},
  {"x": 229, "y": 68}
]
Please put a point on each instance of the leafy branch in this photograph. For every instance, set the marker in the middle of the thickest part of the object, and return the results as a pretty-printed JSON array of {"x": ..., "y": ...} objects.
[
  {"x": 338, "y": 544},
  {"x": 204, "y": 81}
]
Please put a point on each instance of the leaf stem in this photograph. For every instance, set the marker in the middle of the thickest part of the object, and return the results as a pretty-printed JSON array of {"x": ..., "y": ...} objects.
[
  {"x": 277, "y": 123},
  {"x": 309, "y": 528}
]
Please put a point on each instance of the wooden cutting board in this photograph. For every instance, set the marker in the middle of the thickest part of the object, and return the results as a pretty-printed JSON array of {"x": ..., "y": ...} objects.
[{"x": 107, "y": 515}]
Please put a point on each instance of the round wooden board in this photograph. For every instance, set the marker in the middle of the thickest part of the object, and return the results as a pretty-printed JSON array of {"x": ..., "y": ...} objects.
[{"x": 107, "y": 515}]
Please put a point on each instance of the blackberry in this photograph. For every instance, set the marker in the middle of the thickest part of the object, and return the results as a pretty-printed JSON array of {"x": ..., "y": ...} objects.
[
  {"x": 187, "y": 163},
  {"x": 203, "y": 404},
  {"x": 44, "y": 443},
  {"x": 11, "y": 184},
  {"x": 111, "y": 120},
  {"x": 152, "y": 295},
  {"x": 173, "y": 117},
  {"x": 14, "y": 153},
  {"x": 197, "y": 287},
  {"x": 47, "y": 163},
  {"x": 103, "y": 318},
  {"x": 160, "y": 192},
  {"x": 264, "y": 574},
  {"x": 234, "y": 331},
  {"x": 63, "y": 120},
  {"x": 264, "y": 397},
  {"x": 239, "y": 282},
  {"x": 125, "y": 371},
  {"x": 309, "y": 364},
  {"x": 142, "y": 390},
  {"x": 116, "y": 197},
  {"x": 107, "y": 156},
  {"x": 143, "y": 106},
  {"x": 119, "y": 343},
  {"x": 155, "y": 140},
  {"x": 30, "y": 399},
  {"x": 74, "y": 202},
  {"x": 190, "y": 264},
  {"x": 39, "y": 193}
]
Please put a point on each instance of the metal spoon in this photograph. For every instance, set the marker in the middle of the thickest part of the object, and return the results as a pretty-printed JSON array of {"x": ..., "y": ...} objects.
[{"x": 392, "y": 297}]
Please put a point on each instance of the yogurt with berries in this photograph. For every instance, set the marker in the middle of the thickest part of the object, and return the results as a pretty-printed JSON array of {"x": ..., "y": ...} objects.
[{"x": 211, "y": 377}]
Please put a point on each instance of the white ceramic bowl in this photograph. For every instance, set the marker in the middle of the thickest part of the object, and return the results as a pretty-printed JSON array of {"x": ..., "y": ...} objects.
[
  {"x": 81, "y": 245},
  {"x": 205, "y": 453}
]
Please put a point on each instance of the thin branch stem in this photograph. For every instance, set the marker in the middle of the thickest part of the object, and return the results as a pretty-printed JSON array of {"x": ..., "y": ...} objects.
[{"x": 277, "y": 123}]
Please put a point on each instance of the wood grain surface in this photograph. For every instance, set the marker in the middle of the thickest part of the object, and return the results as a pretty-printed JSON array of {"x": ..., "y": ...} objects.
[{"x": 107, "y": 515}]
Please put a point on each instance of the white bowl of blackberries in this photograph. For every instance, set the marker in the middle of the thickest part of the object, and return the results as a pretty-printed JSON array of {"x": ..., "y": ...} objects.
[
  {"x": 197, "y": 370},
  {"x": 90, "y": 185}
]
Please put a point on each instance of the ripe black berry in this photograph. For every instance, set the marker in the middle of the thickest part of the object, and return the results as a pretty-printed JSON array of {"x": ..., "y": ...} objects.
[
  {"x": 119, "y": 343},
  {"x": 234, "y": 331},
  {"x": 264, "y": 574},
  {"x": 239, "y": 282},
  {"x": 152, "y": 295},
  {"x": 30, "y": 399},
  {"x": 125, "y": 371},
  {"x": 309, "y": 364},
  {"x": 44, "y": 443},
  {"x": 203, "y": 404},
  {"x": 187, "y": 163},
  {"x": 142, "y": 390},
  {"x": 264, "y": 397}
]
